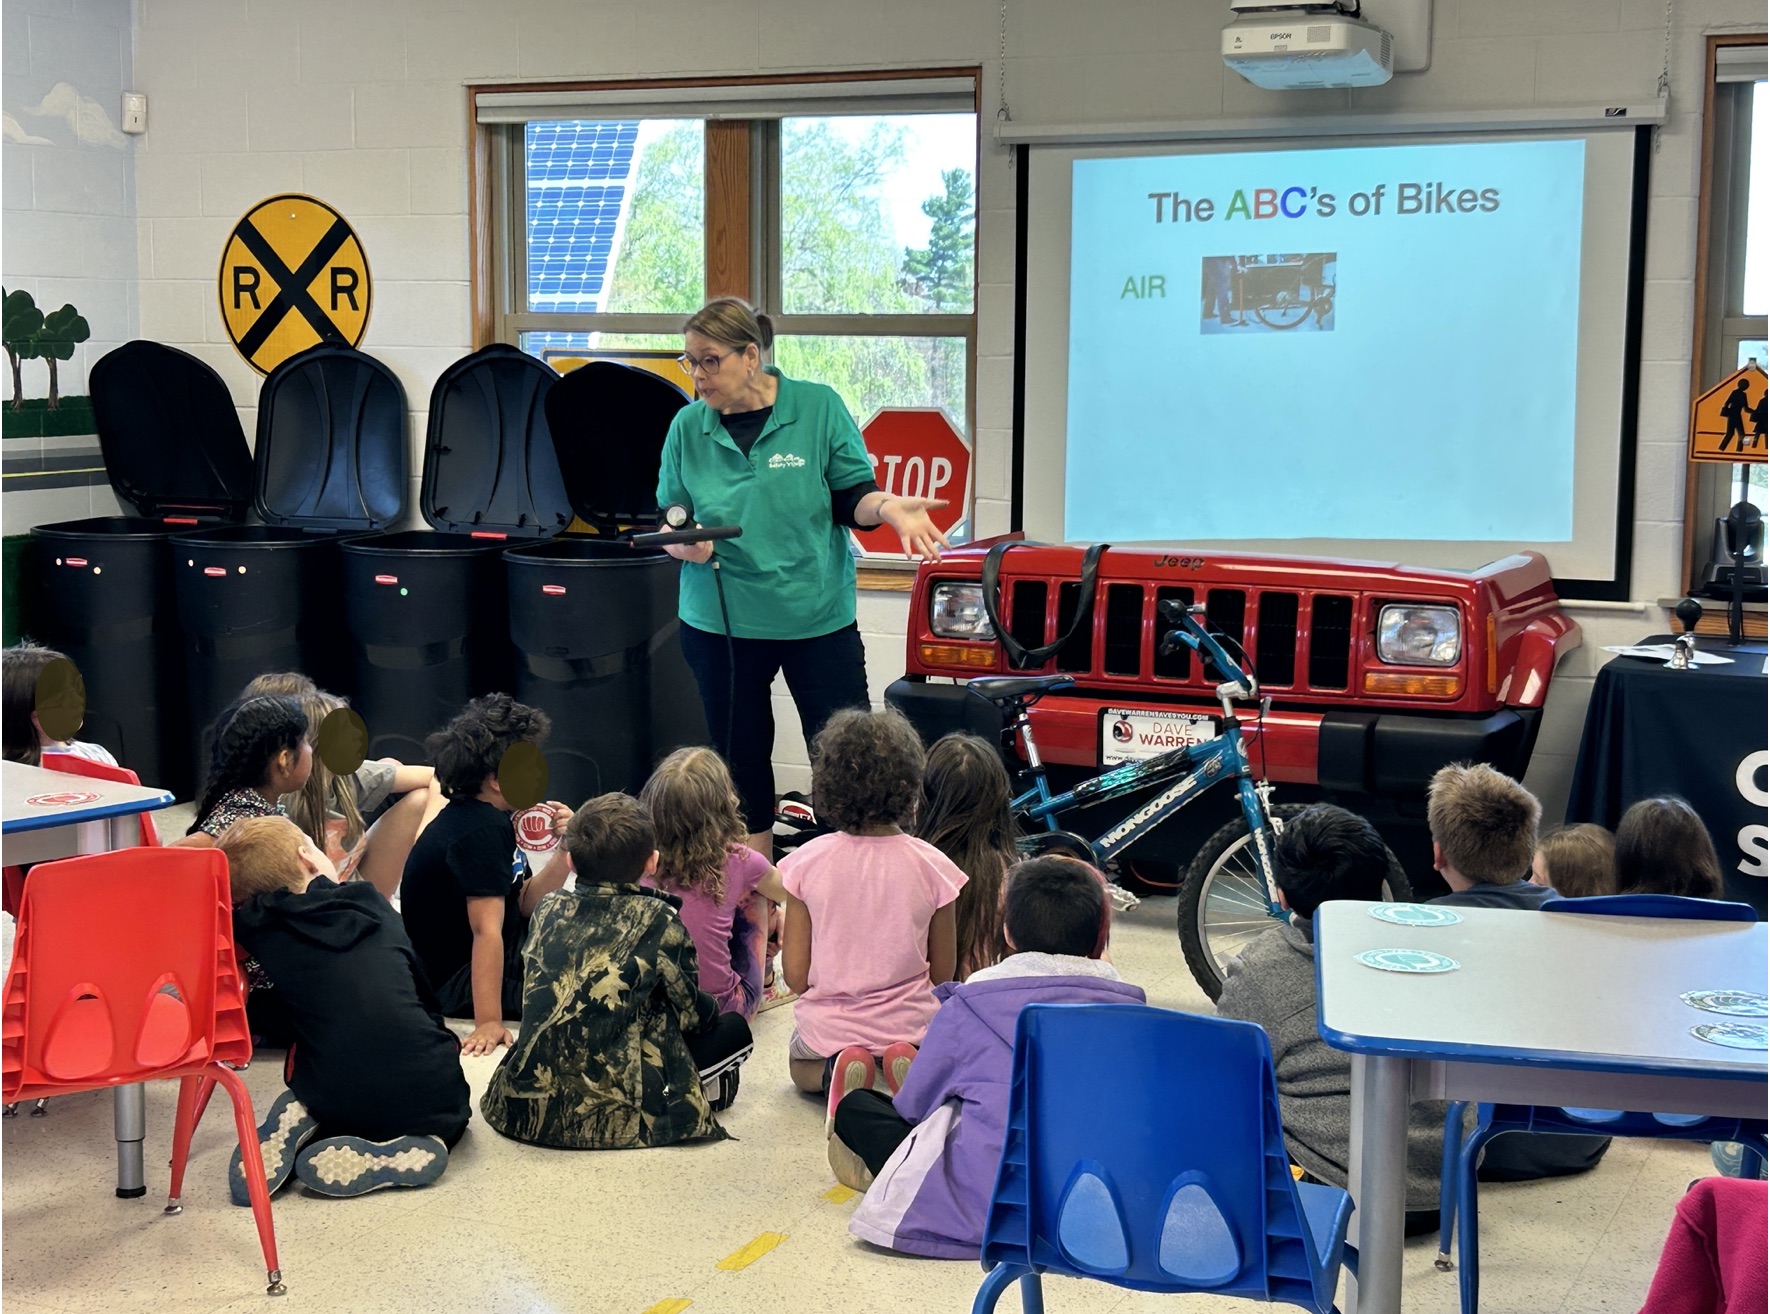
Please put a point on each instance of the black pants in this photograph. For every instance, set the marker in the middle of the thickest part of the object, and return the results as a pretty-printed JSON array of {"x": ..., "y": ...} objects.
[
  {"x": 824, "y": 675},
  {"x": 455, "y": 996},
  {"x": 713, "y": 1047},
  {"x": 1531, "y": 1156},
  {"x": 868, "y": 1123}
]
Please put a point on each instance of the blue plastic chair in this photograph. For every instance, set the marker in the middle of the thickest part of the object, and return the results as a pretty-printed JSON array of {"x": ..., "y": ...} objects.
[
  {"x": 1457, "y": 1185},
  {"x": 1144, "y": 1150}
]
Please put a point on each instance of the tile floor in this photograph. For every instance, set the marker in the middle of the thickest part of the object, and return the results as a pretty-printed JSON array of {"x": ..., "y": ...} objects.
[{"x": 518, "y": 1229}]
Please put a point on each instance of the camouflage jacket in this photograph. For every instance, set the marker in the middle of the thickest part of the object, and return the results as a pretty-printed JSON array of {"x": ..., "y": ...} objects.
[{"x": 610, "y": 983}]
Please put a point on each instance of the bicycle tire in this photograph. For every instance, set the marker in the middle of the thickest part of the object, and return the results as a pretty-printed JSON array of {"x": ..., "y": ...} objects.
[
  {"x": 1278, "y": 312},
  {"x": 1241, "y": 908}
]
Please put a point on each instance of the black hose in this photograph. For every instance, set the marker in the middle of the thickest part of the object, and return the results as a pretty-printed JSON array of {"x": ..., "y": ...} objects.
[{"x": 731, "y": 668}]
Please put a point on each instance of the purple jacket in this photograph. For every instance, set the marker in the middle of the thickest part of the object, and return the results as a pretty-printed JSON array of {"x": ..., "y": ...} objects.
[{"x": 933, "y": 1193}]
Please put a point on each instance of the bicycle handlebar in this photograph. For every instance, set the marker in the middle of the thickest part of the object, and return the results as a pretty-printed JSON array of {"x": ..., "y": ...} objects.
[{"x": 1202, "y": 641}]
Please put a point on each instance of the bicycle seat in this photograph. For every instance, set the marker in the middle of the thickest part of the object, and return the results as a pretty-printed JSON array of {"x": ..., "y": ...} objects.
[{"x": 1006, "y": 688}]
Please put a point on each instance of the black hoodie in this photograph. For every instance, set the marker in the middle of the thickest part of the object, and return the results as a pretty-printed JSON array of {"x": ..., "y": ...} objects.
[{"x": 372, "y": 1057}]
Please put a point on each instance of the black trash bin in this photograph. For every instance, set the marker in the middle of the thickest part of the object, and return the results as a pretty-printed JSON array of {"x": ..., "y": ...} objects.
[
  {"x": 101, "y": 589},
  {"x": 426, "y": 611},
  {"x": 593, "y": 619},
  {"x": 331, "y": 462}
]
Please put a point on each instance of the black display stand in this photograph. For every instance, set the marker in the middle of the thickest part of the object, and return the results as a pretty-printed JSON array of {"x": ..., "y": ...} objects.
[{"x": 1650, "y": 731}]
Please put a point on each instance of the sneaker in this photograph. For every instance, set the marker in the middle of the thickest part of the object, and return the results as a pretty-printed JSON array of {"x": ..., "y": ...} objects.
[
  {"x": 719, "y": 1083},
  {"x": 896, "y": 1062},
  {"x": 850, "y": 1169},
  {"x": 286, "y": 1128},
  {"x": 853, "y": 1071},
  {"x": 349, "y": 1165}
]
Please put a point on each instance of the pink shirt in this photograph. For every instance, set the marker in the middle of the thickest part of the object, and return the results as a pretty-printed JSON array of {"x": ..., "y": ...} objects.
[
  {"x": 871, "y": 899},
  {"x": 723, "y": 939}
]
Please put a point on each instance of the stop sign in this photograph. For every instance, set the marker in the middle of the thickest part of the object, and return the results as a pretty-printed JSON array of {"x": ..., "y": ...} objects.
[{"x": 917, "y": 451}]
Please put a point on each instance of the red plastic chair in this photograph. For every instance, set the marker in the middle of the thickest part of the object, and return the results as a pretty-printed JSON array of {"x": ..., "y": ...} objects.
[
  {"x": 123, "y": 970},
  {"x": 75, "y": 765}
]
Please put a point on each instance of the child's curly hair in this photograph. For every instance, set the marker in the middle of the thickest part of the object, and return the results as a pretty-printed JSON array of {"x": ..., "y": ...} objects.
[
  {"x": 866, "y": 770},
  {"x": 694, "y": 813},
  {"x": 469, "y": 747}
]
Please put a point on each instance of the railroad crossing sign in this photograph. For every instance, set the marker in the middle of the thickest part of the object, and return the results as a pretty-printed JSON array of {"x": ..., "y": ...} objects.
[
  {"x": 917, "y": 451},
  {"x": 1727, "y": 421},
  {"x": 293, "y": 274}
]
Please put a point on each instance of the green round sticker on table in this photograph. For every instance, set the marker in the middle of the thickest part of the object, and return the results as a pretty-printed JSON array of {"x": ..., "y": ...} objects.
[
  {"x": 1415, "y": 914},
  {"x": 1734, "y": 1003},
  {"x": 1407, "y": 960},
  {"x": 1732, "y": 1035}
]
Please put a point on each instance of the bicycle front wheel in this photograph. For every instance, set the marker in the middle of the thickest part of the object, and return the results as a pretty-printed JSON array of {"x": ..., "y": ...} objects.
[{"x": 1223, "y": 899}]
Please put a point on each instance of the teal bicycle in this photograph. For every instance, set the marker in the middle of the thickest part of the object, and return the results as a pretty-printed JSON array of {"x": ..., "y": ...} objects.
[{"x": 1228, "y": 895}]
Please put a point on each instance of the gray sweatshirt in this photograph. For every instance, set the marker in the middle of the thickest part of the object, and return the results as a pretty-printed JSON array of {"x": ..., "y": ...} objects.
[{"x": 1272, "y": 983}]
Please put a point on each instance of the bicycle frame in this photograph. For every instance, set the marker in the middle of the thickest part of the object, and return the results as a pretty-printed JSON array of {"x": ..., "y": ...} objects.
[{"x": 1192, "y": 769}]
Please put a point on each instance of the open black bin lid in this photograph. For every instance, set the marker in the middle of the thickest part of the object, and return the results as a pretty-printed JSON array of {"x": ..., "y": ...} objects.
[
  {"x": 169, "y": 432},
  {"x": 609, "y": 422},
  {"x": 489, "y": 463},
  {"x": 332, "y": 450}
]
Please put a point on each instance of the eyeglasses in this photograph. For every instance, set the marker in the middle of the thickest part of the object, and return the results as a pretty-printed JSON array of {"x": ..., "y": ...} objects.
[{"x": 708, "y": 365}]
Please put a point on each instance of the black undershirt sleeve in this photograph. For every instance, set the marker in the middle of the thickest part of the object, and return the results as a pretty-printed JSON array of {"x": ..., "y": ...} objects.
[{"x": 844, "y": 502}]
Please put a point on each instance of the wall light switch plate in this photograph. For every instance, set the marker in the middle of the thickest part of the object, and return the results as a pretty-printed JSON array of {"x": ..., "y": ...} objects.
[{"x": 134, "y": 112}]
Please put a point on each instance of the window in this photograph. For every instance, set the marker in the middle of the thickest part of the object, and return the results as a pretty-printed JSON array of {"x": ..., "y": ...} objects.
[
  {"x": 1734, "y": 286},
  {"x": 847, "y": 211}
]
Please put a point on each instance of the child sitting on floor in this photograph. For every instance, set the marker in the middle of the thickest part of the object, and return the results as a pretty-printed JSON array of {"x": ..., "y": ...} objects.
[
  {"x": 466, "y": 896},
  {"x": 965, "y": 814},
  {"x": 1662, "y": 847},
  {"x": 927, "y": 1194},
  {"x": 617, "y": 1042},
  {"x": 1483, "y": 827},
  {"x": 1324, "y": 853},
  {"x": 870, "y": 924},
  {"x": 258, "y": 751},
  {"x": 338, "y": 810},
  {"x": 1576, "y": 862},
  {"x": 724, "y": 885},
  {"x": 44, "y": 704},
  {"x": 375, "y": 1095}
]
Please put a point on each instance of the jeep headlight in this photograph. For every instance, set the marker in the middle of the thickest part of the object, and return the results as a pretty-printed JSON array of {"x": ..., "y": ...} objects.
[
  {"x": 1419, "y": 636},
  {"x": 956, "y": 612}
]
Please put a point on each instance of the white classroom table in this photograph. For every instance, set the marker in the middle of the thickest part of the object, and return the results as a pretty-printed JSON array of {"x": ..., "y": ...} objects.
[
  {"x": 45, "y": 830},
  {"x": 1556, "y": 1009}
]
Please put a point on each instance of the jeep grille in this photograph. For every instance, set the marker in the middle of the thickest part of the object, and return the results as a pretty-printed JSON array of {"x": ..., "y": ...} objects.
[{"x": 1264, "y": 622}]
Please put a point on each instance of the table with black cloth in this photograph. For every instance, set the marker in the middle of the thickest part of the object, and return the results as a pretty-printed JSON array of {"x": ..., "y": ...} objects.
[{"x": 1700, "y": 734}]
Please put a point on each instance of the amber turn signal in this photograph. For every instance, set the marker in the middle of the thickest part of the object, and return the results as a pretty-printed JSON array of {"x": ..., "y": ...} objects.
[
  {"x": 1430, "y": 686},
  {"x": 981, "y": 656}
]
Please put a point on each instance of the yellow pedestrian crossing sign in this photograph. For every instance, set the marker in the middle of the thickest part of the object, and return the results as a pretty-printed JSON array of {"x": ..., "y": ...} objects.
[{"x": 293, "y": 274}]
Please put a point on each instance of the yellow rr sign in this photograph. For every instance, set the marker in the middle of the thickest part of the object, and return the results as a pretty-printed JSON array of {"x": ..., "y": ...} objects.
[{"x": 293, "y": 274}]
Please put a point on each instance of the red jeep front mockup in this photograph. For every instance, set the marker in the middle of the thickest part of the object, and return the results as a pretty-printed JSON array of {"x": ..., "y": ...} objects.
[{"x": 1378, "y": 673}]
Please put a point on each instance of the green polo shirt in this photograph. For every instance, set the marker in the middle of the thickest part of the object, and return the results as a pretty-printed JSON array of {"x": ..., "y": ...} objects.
[{"x": 791, "y": 575}]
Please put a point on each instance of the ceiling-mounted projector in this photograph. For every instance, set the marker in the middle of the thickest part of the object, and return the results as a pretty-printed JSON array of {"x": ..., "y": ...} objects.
[{"x": 1291, "y": 46}]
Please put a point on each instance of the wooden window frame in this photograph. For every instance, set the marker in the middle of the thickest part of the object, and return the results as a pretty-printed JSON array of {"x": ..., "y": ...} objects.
[{"x": 1710, "y": 272}]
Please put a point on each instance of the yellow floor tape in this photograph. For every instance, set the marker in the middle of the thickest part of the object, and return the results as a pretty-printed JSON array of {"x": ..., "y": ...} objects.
[
  {"x": 840, "y": 1194},
  {"x": 746, "y": 1255},
  {"x": 675, "y": 1305}
]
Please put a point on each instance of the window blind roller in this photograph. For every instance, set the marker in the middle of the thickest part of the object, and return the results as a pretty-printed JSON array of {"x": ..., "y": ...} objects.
[
  {"x": 1740, "y": 64},
  {"x": 776, "y": 100}
]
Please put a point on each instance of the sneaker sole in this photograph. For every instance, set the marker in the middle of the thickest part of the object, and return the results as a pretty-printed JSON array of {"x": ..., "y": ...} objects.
[
  {"x": 343, "y": 1166},
  {"x": 286, "y": 1128}
]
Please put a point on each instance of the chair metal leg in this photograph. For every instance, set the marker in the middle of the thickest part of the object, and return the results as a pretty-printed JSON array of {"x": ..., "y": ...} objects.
[
  {"x": 1447, "y": 1181},
  {"x": 40, "y": 1108},
  {"x": 1468, "y": 1231},
  {"x": 995, "y": 1282},
  {"x": 9, "y": 1111},
  {"x": 182, "y": 1129},
  {"x": 130, "y": 1113},
  {"x": 252, "y": 1159},
  {"x": 1032, "y": 1294}
]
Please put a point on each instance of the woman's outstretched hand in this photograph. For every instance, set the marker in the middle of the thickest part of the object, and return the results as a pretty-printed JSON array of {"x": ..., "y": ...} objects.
[{"x": 909, "y": 517}]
